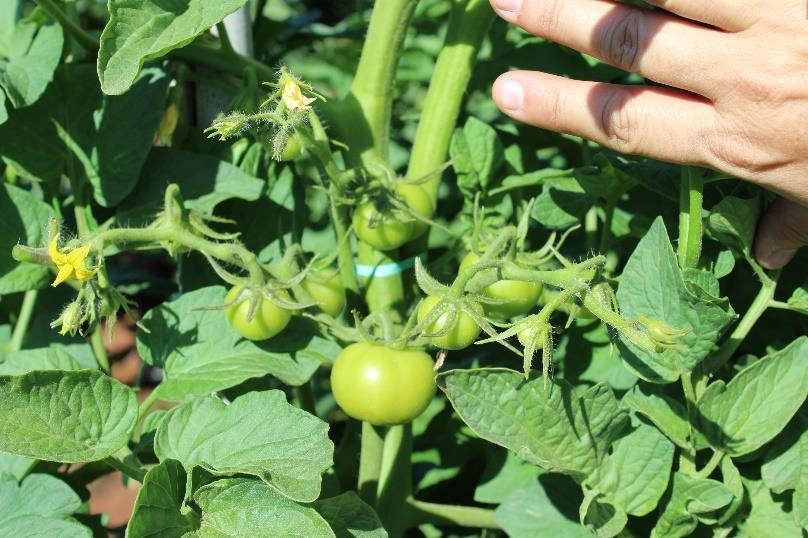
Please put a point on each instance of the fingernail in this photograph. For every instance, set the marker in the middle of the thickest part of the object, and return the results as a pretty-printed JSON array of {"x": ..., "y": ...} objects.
[
  {"x": 507, "y": 9},
  {"x": 510, "y": 95},
  {"x": 777, "y": 259}
]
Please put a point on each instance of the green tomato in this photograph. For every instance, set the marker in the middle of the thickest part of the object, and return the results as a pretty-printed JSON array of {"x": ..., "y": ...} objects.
[
  {"x": 420, "y": 202},
  {"x": 461, "y": 335},
  {"x": 380, "y": 229},
  {"x": 382, "y": 386},
  {"x": 526, "y": 335},
  {"x": 293, "y": 149},
  {"x": 519, "y": 297},
  {"x": 269, "y": 318},
  {"x": 325, "y": 287}
]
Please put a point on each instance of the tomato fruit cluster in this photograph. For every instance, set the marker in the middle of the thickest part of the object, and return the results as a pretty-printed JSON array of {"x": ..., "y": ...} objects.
[
  {"x": 269, "y": 319},
  {"x": 382, "y": 386},
  {"x": 515, "y": 297},
  {"x": 326, "y": 289}
]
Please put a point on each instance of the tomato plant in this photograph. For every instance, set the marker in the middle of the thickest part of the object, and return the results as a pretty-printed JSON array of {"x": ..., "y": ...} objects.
[
  {"x": 611, "y": 360},
  {"x": 382, "y": 386}
]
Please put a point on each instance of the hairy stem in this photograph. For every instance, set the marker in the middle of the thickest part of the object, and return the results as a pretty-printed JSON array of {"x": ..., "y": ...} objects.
[
  {"x": 129, "y": 470},
  {"x": 370, "y": 462},
  {"x": 690, "y": 209},
  {"x": 468, "y": 25}
]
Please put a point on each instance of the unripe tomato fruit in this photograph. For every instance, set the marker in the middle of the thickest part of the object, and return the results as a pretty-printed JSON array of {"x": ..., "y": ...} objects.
[
  {"x": 420, "y": 202},
  {"x": 519, "y": 296},
  {"x": 326, "y": 289},
  {"x": 293, "y": 149},
  {"x": 380, "y": 229},
  {"x": 269, "y": 318},
  {"x": 461, "y": 335},
  {"x": 382, "y": 386},
  {"x": 526, "y": 335}
]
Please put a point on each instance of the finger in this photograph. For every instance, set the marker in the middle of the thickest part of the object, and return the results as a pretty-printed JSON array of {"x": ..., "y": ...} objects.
[
  {"x": 660, "y": 46},
  {"x": 731, "y": 15},
  {"x": 782, "y": 230},
  {"x": 657, "y": 122}
]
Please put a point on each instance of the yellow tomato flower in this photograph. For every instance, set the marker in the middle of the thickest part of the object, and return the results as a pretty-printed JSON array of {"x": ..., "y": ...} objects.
[
  {"x": 293, "y": 98},
  {"x": 69, "y": 264}
]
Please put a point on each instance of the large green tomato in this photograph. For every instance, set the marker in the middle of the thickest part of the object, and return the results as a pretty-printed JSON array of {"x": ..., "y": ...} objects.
[
  {"x": 420, "y": 202},
  {"x": 269, "y": 318},
  {"x": 380, "y": 229},
  {"x": 326, "y": 289},
  {"x": 461, "y": 335},
  {"x": 382, "y": 386},
  {"x": 520, "y": 297}
]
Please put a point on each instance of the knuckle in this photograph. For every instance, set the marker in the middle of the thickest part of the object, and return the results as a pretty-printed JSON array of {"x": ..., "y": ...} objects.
[
  {"x": 619, "y": 41},
  {"x": 618, "y": 121}
]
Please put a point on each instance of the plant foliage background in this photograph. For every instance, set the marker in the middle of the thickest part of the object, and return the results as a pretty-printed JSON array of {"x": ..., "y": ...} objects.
[{"x": 706, "y": 437}]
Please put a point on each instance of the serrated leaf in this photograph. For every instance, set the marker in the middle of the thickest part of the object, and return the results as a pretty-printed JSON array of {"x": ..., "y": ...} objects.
[
  {"x": 68, "y": 417},
  {"x": 242, "y": 507},
  {"x": 141, "y": 30},
  {"x": 24, "y": 221},
  {"x": 689, "y": 498},
  {"x": 204, "y": 182},
  {"x": 31, "y": 58},
  {"x": 349, "y": 516},
  {"x": 158, "y": 506},
  {"x": 258, "y": 434},
  {"x": 200, "y": 352},
  {"x": 603, "y": 519},
  {"x": 476, "y": 154},
  {"x": 635, "y": 475},
  {"x": 786, "y": 465},
  {"x": 756, "y": 404},
  {"x": 666, "y": 298},
  {"x": 41, "y": 506},
  {"x": 544, "y": 423},
  {"x": 547, "y": 508},
  {"x": 55, "y": 357}
]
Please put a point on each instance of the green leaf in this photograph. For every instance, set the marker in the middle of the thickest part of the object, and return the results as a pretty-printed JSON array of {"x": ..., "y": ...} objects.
[
  {"x": 733, "y": 221},
  {"x": 349, "y": 516},
  {"x": 531, "y": 179},
  {"x": 768, "y": 518},
  {"x": 635, "y": 475},
  {"x": 24, "y": 220},
  {"x": 602, "y": 518},
  {"x": 68, "y": 417},
  {"x": 204, "y": 182},
  {"x": 667, "y": 413},
  {"x": 41, "y": 506},
  {"x": 201, "y": 353},
  {"x": 242, "y": 507},
  {"x": 502, "y": 476},
  {"x": 81, "y": 132},
  {"x": 258, "y": 434},
  {"x": 756, "y": 405},
  {"x": 141, "y": 30},
  {"x": 562, "y": 203},
  {"x": 544, "y": 423},
  {"x": 786, "y": 465},
  {"x": 544, "y": 509},
  {"x": 55, "y": 357},
  {"x": 158, "y": 510},
  {"x": 15, "y": 465},
  {"x": 31, "y": 59},
  {"x": 799, "y": 299},
  {"x": 666, "y": 298},
  {"x": 476, "y": 153},
  {"x": 689, "y": 498}
]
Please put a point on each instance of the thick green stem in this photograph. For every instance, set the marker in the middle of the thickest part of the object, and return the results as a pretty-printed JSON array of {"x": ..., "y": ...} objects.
[
  {"x": 23, "y": 321},
  {"x": 132, "y": 472},
  {"x": 370, "y": 462},
  {"x": 690, "y": 226},
  {"x": 468, "y": 25},
  {"x": 446, "y": 514},
  {"x": 395, "y": 481},
  {"x": 687, "y": 459},
  {"x": 100, "y": 352},
  {"x": 147, "y": 404},
  {"x": 710, "y": 466},
  {"x": 606, "y": 230}
]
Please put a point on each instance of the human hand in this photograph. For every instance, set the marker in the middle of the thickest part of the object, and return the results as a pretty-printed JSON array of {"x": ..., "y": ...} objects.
[{"x": 736, "y": 101}]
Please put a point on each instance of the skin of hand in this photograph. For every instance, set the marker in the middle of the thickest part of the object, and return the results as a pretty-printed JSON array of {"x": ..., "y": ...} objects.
[{"x": 735, "y": 96}]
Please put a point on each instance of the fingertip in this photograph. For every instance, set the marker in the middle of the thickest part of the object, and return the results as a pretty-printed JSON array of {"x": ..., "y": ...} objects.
[
  {"x": 776, "y": 259},
  {"x": 509, "y": 93}
]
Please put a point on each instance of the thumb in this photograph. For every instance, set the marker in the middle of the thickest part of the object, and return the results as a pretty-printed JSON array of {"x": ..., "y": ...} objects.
[{"x": 781, "y": 231}]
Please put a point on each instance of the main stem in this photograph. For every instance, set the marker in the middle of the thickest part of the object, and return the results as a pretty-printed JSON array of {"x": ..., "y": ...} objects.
[
  {"x": 370, "y": 462},
  {"x": 690, "y": 227},
  {"x": 23, "y": 320}
]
